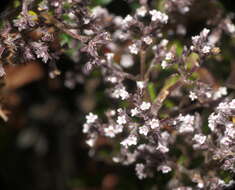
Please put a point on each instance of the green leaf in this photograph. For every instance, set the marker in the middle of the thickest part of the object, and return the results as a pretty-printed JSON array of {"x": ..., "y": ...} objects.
[
  {"x": 101, "y": 2},
  {"x": 151, "y": 91},
  {"x": 64, "y": 39},
  {"x": 171, "y": 81}
]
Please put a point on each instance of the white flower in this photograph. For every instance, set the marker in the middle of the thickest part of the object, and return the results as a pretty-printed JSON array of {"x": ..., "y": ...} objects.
[
  {"x": 232, "y": 104},
  {"x": 223, "y": 107},
  {"x": 118, "y": 20},
  {"x": 121, "y": 120},
  {"x": 154, "y": 123},
  {"x": 141, "y": 11},
  {"x": 184, "y": 10},
  {"x": 162, "y": 148},
  {"x": 206, "y": 49},
  {"x": 127, "y": 20},
  {"x": 91, "y": 118},
  {"x": 192, "y": 96},
  {"x": 169, "y": 56},
  {"x": 145, "y": 106},
  {"x": 165, "y": 135},
  {"x": 143, "y": 130},
  {"x": 126, "y": 60},
  {"x": 140, "y": 84},
  {"x": 212, "y": 121},
  {"x": 120, "y": 93},
  {"x": 222, "y": 91},
  {"x": 116, "y": 159},
  {"x": 199, "y": 138},
  {"x": 187, "y": 124},
  {"x": 129, "y": 141},
  {"x": 86, "y": 128},
  {"x": 139, "y": 168},
  {"x": 205, "y": 32},
  {"x": 112, "y": 130},
  {"x": 226, "y": 141},
  {"x": 230, "y": 130},
  {"x": 148, "y": 40},
  {"x": 109, "y": 131},
  {"x": 230, "y": 27},
  {"x": 164, "y": 64},
  {"x": 112, "y": 79},
  {"x": 195, "y": 39},
  {"x": 109, "y": 56},
  {"x": 158, "y": 16},
  {"x": 98, "y": 11},
  {"x": 164, "y": 169},
  {"x": 164, "y": 42},
  {"x": 134, "y": 112},
  {"x": 91, "y": 142},
  {"x": 134, "y": 49}
]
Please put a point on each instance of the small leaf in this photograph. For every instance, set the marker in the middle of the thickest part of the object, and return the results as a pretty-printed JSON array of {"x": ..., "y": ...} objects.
[{"x": 151, "y": 91}]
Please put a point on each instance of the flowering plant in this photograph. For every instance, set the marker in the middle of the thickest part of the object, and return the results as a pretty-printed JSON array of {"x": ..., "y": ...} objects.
[{"x": 167, "y": 110}]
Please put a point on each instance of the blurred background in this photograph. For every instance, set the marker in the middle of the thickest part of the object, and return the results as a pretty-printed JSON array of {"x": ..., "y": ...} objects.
[{"x": 42, "y": 146}]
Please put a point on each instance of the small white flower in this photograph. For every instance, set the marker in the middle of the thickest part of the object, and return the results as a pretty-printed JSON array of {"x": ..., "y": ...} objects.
[
  {"x": 120, "y": 93},
  {"x": 164, "y": 64},
  {"x": 195, "y": 39},
  {"x": 208, "y": 94},
  {"x": 222, "y": 91},
  {"x": 91, "y": 118},
  {"x": 212, "y": 121},
  {"x": 134, "y": 49},
  {"x": 86, "y": 128},
  {"x": 199, "y": 138},
  {"x": 127, "y": 19},
  {"x": 91, "y": 142},
  {"x": 206, "y": 49},
  {"x": 232, "y": 104},
  {"x": 143, "y": 130},
  {"x": 118, "y": 20},
  {"x": 184, "y": 10},
  {"x": 134, "y": 112},
  {"x": 116, "y": 159},
  {"x": 148, "y": 40},
  {"x": 126, "y": 61},
  {"x": 187, "y": 124},
  {"x": 162, "y": 148},
  {"x": 154, "y": 123},
  {"x": 109, "y": 131},
  {"x": 158, "y": 16},
  {"x": 112, "y": 79},
  {"x": 139, "y": 168},
  {"x": 118, "y": 129},
  {"x": 129, "y": 141},
  {"x": 205, "y": 32},
  {"x": 192, "y": 96},
  {"x": 164, "y": 169},
  {"x": 169, "y": 56},
  {"x": 145, "y": 106},
  {"x": 121, "y": 120},
  {"x": 141, "y": 11},
  {"x": 140, "y": 84},
  {"x": 98, "y": 11},
  {"x": 112, "y": 112},
  {"x": 112, "y": 130},
  {"x": 226, "y": 141},
  {"x": 109, "y": 56},
  {"x": 230, "y": 27},
  {"x": 164, "y": 42}
]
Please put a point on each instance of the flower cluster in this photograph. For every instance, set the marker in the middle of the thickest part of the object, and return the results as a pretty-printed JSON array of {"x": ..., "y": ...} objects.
[{"x": 159, "y": 89}]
